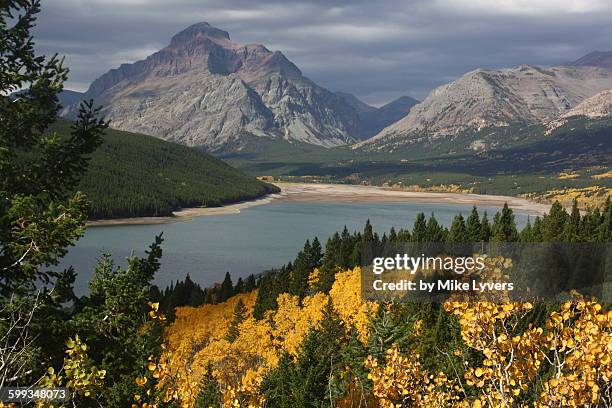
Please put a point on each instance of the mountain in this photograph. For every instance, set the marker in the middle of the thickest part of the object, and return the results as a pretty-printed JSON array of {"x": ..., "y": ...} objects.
[
  {"x": 204, "y": 89},
  {"x": 594, "y": 59},
  {"x": 371, "y": 119},
  {"x": 359, "y": 106},
  {"x": 137, "y": 175},
  {"x": 373, "y": 122},
  {"x": 68, "y": 97},
  {"x": 484, "y": 100}
]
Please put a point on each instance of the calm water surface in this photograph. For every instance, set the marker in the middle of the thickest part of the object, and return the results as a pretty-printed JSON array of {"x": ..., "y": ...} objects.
[{"x": 257, "y": 239}]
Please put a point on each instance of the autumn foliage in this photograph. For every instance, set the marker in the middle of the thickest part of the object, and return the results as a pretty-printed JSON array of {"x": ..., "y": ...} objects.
[{"x": 563, "y": 362}]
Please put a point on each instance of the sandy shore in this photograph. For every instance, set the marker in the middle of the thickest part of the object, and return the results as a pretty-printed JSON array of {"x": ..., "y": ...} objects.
[
  {"x": 185, "y": 213},
  {"x": 340, "y": 193}
]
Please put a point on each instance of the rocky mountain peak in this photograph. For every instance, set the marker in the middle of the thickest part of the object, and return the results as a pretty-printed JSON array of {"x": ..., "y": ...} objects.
[
  {"x": 198, "y": 32},
  {"x": 204, "y": 89}
]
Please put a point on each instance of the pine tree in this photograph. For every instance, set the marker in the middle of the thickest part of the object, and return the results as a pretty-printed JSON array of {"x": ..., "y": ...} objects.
[
  {"x": 250, "y": 284},
  {"x": 605, "y": 228},
  {"x": 434, "y": 232},
  {"x": 331, "y": 260},
  {"x": 307, "y": 382},
  {"x": 458, "y": 231},
  {"x": 571, "y": 229},
  {"x": 41, "y": 216},
  {"x": 227, "y": 288},
  {"x": 209, "y": 395},
  {"x": 554, "y": 223},
  {"x": 240, "y": 287},
  {"x": 238, "y": 317},
  {"x": 392, "y": 235},
  {"x": 485, "y": 228},
  {"x": 302, "y": 267},
  {"x": 474, "y": 227},
  {"x": 419, "y": 231},
  {"x": 526, "y": 235},
  {"x": 504, "y": 226}
]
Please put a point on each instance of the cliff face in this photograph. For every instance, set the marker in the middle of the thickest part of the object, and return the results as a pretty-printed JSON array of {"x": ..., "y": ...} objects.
[{"x": 206, "y": 90}]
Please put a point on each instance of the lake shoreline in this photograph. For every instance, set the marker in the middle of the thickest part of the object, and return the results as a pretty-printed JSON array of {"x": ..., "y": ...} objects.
[{"x": 341, "y": 193}]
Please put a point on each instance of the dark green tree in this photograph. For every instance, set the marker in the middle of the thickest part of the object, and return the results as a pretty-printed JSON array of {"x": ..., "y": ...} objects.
[
  {"x": 419, "y": 230},
  {"x": 111, "y": 320},
  {"x": 227, "y": 288},
  {"x": 209, "y": 395},
  {"x": 307, "y": 382},
  {"x": 238, "y": 317},
  {"x": 554, "y": 223},
  {"x": 571, "y": 229},
  {"x": 458, "y": 231},
  {"x": 40, "y": 213},
  {"x": 474, "y": 227},
  {"x": 504, "y": 226}
]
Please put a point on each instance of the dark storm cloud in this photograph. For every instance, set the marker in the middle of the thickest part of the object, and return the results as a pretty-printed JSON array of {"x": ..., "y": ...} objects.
[{"x": 377, "y": 50}]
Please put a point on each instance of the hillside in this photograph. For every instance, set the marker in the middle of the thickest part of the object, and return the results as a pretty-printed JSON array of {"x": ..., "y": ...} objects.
[{"x": 137, "y": 175}]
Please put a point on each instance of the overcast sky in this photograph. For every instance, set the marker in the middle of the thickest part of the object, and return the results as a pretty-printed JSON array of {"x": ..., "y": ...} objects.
[{"x": 377, "y": 50}]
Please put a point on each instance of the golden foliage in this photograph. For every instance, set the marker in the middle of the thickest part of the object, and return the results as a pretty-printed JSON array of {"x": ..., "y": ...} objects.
[
  {"x": 197, "y": 338},
  {"x": 565, "y": 362},
  {"x": 403, "y": 382}
]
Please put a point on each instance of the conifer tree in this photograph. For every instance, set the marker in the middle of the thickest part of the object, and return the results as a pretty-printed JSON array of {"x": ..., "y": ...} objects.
[
  {"x": 571, "y": 229},
  {"x": 504, "y": 226},
  {"x": 434, "y": 231},
  {"x": 458, "y": 231},
  {"x": 474, "y": 227},
  {"x": 209, "y": 395},
  {"x": 605, "y": 228},
  {"x": 41, "y": 215},
  {"x": 227, "y": 288},
  {"x": 392, "y": 235},
  {"x": 485, "y": 228},
  {"x": 250, "y": 284},
  {"x": 238, "y": 317},
  {"x": 307, "y": 382},
  {"x": 554, "y": 223},
  {"x": 419, "y": 230}
]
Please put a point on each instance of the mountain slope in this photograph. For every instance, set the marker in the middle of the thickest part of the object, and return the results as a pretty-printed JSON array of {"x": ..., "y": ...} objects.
[
  {"x": 595, "y": 107},
  {"x": 206, "y": 90},
  {"x": 594, "y": 59},
  {"x": 488, "y": 99},
  {"x": 137, "y": 175},
  {"x": 373, "y": 122},
  {"x": 371, "y": 119}
]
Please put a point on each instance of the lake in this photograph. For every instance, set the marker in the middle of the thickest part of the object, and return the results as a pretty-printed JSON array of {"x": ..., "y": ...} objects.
[{"x": 256, "y": 239}]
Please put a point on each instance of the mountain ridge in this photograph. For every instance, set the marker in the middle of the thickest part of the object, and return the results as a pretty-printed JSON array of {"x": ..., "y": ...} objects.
[{"x": 481, "y": 99}]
